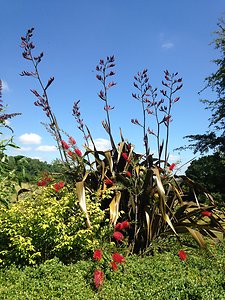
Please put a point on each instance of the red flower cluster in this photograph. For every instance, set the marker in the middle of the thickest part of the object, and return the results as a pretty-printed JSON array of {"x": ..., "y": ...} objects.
[
  {"x": 108, "y": 182},
  {"x": 128, "y": 174},
  {"x": 123, "y": 225},
  {"x": 72, "y": 142},
  {"x": 65, "y": 145},
  {"x": 125, "y": 156},
  {"x": 118, "y": 258},
  {"x": 172, "y": 166},
  {"x": 97, "y": 255},
  {"x": 118, "y": 236},
  {"x": 78, "y": 152},
  {"x": 59, "y": 186},
  {"x": 206, "y": 213},
  {"x": 182, "y": 254},
  {"x": 98, "y": 278},
  {"x": 44, "y": 181}
]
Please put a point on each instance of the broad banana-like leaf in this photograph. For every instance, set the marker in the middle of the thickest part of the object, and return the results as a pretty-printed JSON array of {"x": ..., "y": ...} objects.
[
  {"x": 82, "y": 200},
  {"x": 114, "y": 207},
  {"x": 198, "y": 237}
]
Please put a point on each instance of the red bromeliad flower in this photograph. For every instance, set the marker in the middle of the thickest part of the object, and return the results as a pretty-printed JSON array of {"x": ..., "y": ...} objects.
[
  {"x": 206, "y": 213},
  {"x": 182, "y": 254},
  {"x": 97, "y": 255},
  {"x": 118, "y": 258},
  {"x": 78, "y": 152},
  {"x": 172, "y": 166},
  {"x": 114, "y": 265},
  {"x": 108, "y": 182},
  {"x": 118, "y": 236},
  {"x": 98, "y": 278},
  {"x": 65, "y": 145}
]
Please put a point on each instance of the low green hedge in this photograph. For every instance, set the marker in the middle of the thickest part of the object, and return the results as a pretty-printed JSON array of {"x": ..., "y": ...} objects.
[{"x": 162, "y": 276}]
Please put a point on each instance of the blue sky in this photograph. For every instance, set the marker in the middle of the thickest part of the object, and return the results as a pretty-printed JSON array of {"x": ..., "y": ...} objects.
[{"x": 74, "y": 35}]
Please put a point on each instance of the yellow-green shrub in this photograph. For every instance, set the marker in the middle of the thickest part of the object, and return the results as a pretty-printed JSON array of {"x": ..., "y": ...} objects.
[{"x": 46, "y": 224}]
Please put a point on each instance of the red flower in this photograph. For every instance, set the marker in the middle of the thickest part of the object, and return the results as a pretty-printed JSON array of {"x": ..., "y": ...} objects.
[
  {"x": 56, "y": 187},
  {"x": 61, "y": 184},
  {"x": 172, "y": 166},
  {"x": 98, "y": 278},
  {"x": 65, "y": 145},
  {"x": 108, "y": 182},
  {"x": 114, "y": 266},
  {"x": 118, "y": 258},
  {"x": 42, "y": 183},
  {"x": 78, "y": 152},
  {"x": 125, "y": 225},
  {"x": 118, "y": 227},
  {"x": 72, "y": 140},
  {"x": 128, "y": 174},
  {"x": 125, "y": 156},
  {"x": 118, "y": 236},
  {"x": 182, "y": 254},
  {"x": 97, "y": 255},
  {"x": 70, "y": 153},
  {"x": 206, "y": 213}
]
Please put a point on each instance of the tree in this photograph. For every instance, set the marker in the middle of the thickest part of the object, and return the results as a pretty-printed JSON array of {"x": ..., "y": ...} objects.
[{"x": 214, "y": 139}]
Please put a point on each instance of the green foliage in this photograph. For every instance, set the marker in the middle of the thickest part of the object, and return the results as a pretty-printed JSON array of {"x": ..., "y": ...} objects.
[
  {"x": 162, "y": 276},
  {"x": 209, "y": 171},
  {"x": 45, "y": 224}
]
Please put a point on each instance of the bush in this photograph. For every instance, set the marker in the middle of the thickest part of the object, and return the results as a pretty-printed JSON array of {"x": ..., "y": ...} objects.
[
  {"x": 45, "y": 224},
  {"x": 162, "y": 276}
]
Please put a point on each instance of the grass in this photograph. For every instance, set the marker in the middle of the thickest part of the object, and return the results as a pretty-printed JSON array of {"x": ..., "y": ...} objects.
[{"x": 161, "y": 276}]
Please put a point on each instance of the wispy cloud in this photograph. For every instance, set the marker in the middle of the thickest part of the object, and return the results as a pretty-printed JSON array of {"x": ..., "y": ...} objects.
[
  {"x": 30, "y": 138},
  {"x": 102, "y": 144},
  {"x": 5, "y": 86},
  {"x": 167, "y": 45},
  {"x": 166, "y": 42},
  {"x": 46, "y": 148}
]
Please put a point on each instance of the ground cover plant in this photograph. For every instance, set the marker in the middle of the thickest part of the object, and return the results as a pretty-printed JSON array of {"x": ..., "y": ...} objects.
[
  {"x": 105, "y": 206},
  {"x": 162, "y": 276}
]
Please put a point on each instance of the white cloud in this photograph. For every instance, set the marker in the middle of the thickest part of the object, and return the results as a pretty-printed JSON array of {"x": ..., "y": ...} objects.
[
  {"x": 30, "y": 138},
  {"x": 102, "y": 144},
  {"x": 46, "y": 148},
  {"x": 5, "y": 86},
  {"x": 167, "y": 45}
]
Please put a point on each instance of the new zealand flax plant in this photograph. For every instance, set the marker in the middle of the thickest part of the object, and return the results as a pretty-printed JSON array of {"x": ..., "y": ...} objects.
[{"x": 143, "y": 188}]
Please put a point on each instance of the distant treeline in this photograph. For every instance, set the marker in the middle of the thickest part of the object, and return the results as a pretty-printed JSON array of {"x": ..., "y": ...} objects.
[{"x": 31, "y": 169}]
